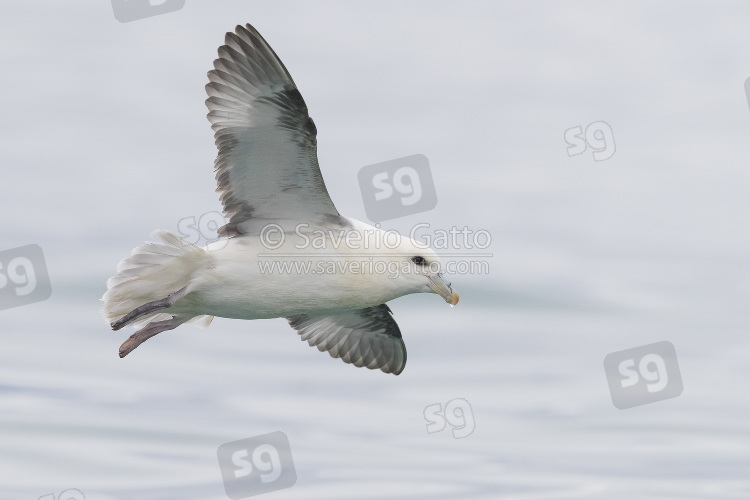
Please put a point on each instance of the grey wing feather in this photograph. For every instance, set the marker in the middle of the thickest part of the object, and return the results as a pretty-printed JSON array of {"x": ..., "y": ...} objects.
[
  {"x": 267, "y": 166},
  {"x": 366, "y": 337}
]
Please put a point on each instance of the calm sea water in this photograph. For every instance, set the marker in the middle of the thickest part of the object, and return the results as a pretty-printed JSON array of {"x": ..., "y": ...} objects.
[{"x": 148, "y": 427}]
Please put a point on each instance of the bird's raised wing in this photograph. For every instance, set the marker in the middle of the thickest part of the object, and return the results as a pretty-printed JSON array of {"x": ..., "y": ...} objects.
[
  {"x": 267, "y": 167},
  {"x": 363, "y": 337}
]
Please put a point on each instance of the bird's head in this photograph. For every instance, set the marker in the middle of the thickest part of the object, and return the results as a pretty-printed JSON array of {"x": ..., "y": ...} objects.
[
  {"x": 398, "y": 265},
  {"x": 421, "y": 270}
]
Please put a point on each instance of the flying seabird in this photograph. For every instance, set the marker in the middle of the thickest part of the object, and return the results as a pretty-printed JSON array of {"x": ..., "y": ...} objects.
[{"x": 330, "y": 276}]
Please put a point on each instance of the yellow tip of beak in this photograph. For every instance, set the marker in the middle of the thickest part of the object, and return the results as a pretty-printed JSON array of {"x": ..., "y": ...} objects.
[{"x": 454, "y": 299}]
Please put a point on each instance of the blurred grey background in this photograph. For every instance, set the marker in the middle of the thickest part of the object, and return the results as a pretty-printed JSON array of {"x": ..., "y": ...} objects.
[{"x": 103, "y": 138}]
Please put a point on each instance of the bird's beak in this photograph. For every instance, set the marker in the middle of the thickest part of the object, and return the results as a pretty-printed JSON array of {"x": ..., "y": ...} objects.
[{"x": 440, "y": 287}]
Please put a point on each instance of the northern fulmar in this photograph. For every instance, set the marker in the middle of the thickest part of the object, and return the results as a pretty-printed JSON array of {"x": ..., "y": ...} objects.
[{"x": 289, "y": 253}]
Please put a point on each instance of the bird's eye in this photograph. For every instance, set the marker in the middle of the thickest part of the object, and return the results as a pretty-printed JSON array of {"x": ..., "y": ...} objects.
[{"x": 418, "y": 260}]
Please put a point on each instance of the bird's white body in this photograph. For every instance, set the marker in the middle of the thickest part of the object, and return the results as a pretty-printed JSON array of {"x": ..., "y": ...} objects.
[{"x": 246, "y": 277}]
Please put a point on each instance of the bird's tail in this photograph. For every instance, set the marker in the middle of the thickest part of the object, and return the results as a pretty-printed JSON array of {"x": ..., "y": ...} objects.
[{"x": 154, "y": 270}]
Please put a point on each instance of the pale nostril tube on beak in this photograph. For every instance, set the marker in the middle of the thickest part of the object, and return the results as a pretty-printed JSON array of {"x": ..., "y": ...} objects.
[{"x": 440, "y": 287}]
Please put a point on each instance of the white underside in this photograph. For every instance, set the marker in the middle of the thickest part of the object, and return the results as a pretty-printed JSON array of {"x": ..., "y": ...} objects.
[{"x": 227, "y": 279}]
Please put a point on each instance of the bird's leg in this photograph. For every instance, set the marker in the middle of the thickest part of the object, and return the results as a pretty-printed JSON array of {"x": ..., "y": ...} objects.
[
  {"x": 149, "y": 331},
  {"x": 148, "y": 308}
]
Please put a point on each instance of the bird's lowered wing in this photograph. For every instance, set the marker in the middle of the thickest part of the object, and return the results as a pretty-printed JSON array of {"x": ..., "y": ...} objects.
[
  {"x": 267, "y": 166},
  {"x": 363, "y": 337}
]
